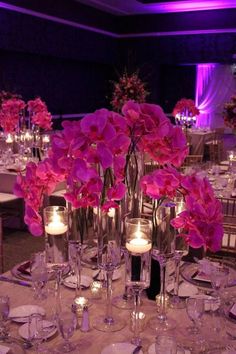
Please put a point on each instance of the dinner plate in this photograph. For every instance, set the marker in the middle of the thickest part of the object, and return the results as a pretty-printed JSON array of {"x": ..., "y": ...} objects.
[
  {"x": 70, "y": 281},
  {"x": 120, "y": 348},
  {"x": 185, "y": 289},
  {"x": 49, "y": 330},
  {"x": 190, "y": 273},
  {"x": 152, "y": 350},
  {"x": 99, "y": 275},
  {"x": 21, "y": 314}
]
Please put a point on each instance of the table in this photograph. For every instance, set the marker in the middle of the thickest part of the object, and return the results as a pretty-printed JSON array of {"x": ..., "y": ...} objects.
[
  {"x": 198, "y": 139},
  {"x": 94, "y": 341}
]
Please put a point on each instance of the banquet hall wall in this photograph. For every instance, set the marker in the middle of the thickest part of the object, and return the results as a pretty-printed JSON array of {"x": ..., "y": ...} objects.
[{"x": 72, "y": 68}]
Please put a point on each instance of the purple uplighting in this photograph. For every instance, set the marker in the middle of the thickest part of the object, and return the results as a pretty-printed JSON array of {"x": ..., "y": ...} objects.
[{"x": 184, "y": 6}]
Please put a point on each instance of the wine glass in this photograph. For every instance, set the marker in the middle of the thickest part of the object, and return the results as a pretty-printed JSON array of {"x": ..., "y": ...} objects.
[
  {"x": 181, "y": 250},
  {"x": 4, "y": 311},
  {"x": 36, "y": 331},
  {"x": 67, "y": 322},
  {"x": 138, "y": 264},
  {"x": 39, "y": 275},
  {"x": 109, "y": 259},
  {"x": 75, "y": 255},
  {"x": 219, "y": 278},
  {"x": 163, "y": 250},
  {"x": 195, "y": 309}
]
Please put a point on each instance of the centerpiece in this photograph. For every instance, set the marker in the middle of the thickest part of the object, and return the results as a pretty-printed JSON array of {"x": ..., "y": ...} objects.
[
  {"x": 229, "y": 113},
  {"x": 93, "y": 156},
  {"x": 128, "y": 87},
  {"x": 185, "y": 113}
]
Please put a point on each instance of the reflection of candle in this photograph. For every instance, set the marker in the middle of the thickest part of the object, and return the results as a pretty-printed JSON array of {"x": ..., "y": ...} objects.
[
  {"x": 28, "y": 136},
  {"x": 9, "y": 139},
  {"x": 56, "y": 226},
  {"x": 96, "y": 289}
]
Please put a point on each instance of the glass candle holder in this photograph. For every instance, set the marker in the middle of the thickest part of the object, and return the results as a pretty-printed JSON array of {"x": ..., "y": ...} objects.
[
  {"x": 56, "y": 235},
  {"x": 79, "y": 304}
]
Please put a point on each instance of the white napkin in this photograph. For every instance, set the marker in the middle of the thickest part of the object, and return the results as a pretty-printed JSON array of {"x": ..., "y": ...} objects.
[
  {"x": 233, "y": 310},
  {"x": 3, "y": 349}
]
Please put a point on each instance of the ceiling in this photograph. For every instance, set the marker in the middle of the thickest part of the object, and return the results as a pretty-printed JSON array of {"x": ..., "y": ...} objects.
[{"x": 135, "y": 7}]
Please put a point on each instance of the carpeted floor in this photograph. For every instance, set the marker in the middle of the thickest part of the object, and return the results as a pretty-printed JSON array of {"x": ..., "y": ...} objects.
[{"x": 18, "y": 246}]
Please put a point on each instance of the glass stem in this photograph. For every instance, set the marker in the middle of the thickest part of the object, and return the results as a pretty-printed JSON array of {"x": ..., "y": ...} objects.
[
  {"x": 177, "y": 271},
  {"x": 109, "y": 319},
  {"x": 136, "y": 340},
  {"x": 162, "y": 314}
]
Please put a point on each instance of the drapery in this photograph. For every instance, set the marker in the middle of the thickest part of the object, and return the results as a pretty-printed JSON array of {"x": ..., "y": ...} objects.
[{"x": 215, "y": 85}]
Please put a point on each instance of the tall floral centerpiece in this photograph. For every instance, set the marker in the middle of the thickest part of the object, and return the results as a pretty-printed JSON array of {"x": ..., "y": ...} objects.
[
  {"x": 185, "y": 112},
  {"x": 11, "y": 107},
  {"x": 128, "y": 87},
  {"x": 229, "y": 113}
]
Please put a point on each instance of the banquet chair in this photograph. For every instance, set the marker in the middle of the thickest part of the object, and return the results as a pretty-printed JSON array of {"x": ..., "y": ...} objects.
[
  {"x": 229, "y": 239},
  {"x": 191, "y": 160},
  {"x": 214, "y": 148},
  {"x": 229, "y": 210},
  {"x": 1, "y": 248}
]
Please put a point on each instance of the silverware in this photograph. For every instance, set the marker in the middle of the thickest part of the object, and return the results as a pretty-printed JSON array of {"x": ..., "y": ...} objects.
[{"x": 14, "y": 281}]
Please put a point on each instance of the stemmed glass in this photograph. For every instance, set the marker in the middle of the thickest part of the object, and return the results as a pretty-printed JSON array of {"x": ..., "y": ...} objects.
[
  {"x": 163, "y": 250},
  {"x": 39, "y": 274},
  {"x": 36, "y": 331},
  {"x": 138, "y": 264},
  {"x": 75, "y": 255},
  {"x": 195, "y": 310},
  {"x": 109, "y": 259},
  {"x": 181, "y": 249},
  {"x": 219, "y": 278},
  {"x": 67, "y": 323}
]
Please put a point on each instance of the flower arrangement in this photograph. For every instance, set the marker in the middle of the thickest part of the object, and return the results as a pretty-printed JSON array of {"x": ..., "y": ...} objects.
[
  {"x": 229, "y": 113},
  {"x": 12, "y": 107},
  {"x": 185, "y": 112},
  {"x": 201, "y": 222},
  {"x": 128, "y": 87},
  {"x": 89, "y": 152}
]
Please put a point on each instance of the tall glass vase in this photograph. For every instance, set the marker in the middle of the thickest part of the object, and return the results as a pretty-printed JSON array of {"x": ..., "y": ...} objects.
[
  {"x": 163, "y": 250},
  {"x": 131, "y": 206},
  {"x": 134, "y": 172},
  {"x": 109, "y": 259}
]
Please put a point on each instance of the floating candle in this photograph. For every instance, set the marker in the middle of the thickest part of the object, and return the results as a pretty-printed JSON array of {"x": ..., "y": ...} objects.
[
  {"x": 138, "y": 245},
  {"x": 56, "y": 226}
]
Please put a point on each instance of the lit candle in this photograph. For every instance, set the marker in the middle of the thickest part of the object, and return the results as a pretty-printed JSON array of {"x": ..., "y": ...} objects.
[
  {"x": 9, "y": 139},
  {"x": 138, "y": 244},
  {"x": 28, "y": 136},
  {"x": 56, "y": 226},
  {"x": 79, "y": 303},
  {"x": 45, "y": 139}
]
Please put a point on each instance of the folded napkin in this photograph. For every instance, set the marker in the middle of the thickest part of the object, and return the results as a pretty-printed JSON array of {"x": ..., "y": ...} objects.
[
  {"x": 232, "y": 312},
  {"x": 25, "y": 268},
  {"x": 4, "y": 349}
]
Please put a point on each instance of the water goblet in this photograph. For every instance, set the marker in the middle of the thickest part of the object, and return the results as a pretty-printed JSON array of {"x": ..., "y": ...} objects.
[
  {"x": 195, "y": 309},
  {"x": 138, "y": 264},
  {"x": 39, "y": 275},
  {"x": 219, "y": 279},
  {"x": 67, "y": 322},
  {"x": 4, "y": 311}
]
